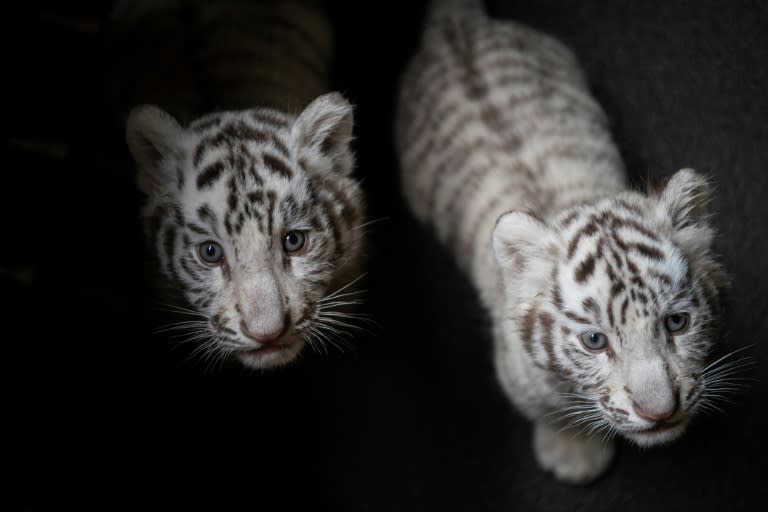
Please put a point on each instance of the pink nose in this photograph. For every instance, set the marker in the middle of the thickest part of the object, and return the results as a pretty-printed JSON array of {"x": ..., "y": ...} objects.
[
  {"x": 656, "y": 415},
  {"x": 263, "y": 337}
]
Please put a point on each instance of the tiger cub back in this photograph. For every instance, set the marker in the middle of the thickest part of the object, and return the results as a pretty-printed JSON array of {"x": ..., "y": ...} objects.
[
  {"x": 194, "y": 57},
  {"x": 244, "y": 156},
  {"x": 605, "y": 302},
  {"x": 494, "y": 116}
]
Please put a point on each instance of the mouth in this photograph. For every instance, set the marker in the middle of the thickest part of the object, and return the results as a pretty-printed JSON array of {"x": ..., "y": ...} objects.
[
  {"x": 661, "y": 426},
  {"x": 267, "y": 349},
  {"x": 270, "y": 355},
  {"x": 659, "y": 433}
]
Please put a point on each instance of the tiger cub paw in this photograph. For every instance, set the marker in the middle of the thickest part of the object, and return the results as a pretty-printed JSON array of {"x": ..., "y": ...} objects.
[{"x": 573, "y": 457}]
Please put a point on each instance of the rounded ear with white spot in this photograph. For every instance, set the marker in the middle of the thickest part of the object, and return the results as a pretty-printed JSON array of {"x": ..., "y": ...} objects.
[
  {"x": 683, "y": 203},
  {"x": 323, "y": 132},
  {"x": 153, "y": 138},
  {"x": 519, "y": 238}
]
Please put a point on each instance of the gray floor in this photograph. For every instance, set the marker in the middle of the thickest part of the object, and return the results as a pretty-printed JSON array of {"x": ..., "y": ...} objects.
[{"x": 98, "y": 406}]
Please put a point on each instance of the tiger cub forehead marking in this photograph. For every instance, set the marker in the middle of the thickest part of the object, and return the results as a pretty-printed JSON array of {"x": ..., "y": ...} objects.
[
  {"x": 245, "y": 164},
  {"x": 617, "y": 268},
  {"x": 237, "y": 141}
]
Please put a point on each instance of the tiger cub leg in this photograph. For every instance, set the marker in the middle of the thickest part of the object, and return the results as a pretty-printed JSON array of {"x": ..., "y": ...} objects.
[{"x": 572, "y": 456}]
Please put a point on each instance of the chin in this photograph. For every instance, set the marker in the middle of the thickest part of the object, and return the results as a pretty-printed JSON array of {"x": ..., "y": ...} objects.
[
  {"x": 656, "y": 436},
  {"x": 271, "y": 356}
]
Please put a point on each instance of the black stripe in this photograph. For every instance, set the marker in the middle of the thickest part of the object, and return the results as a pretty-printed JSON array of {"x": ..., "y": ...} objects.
[
  {"x": 189, "y": 270},
  {"x": 333, "y": 223},
  {"x": 624, "y": 306},
  {"x": 270, "y": 211},
  {"x": 269, "y": 117},
  {"x": 349, "y": 210},
  {"x": 577, "y": 318},
  {"x": 569, "y": 219},
  {"x": 242, "y": 131},
  {"x": 206, "y": 144},
  {"x": 280, "y": 146},
  {"x": 664, "y": 278},
  {"x": 591, "y": 306},
  {"x": 546, "y": 321},
  {"x": 616, "y": 289},
  {"x": 206, "y": 215},
  {"x": 587, "y": 230},
  {"x": 627, "y": 206},
  {"x": 197, "y": 229},
  {"x": 232, "y": 199},
  {"x": 276, "y": 165},
  {"x": 179, "y": 177},
  {"x": 619, "y": 223},
  {"x": 178, "y": 216},
  {"x": 557, "y": 297},
  {"x": 255, "y": 175},
  {"x": 255, "y": 197},
  {"x": 648, "y": 251},
  {"x": 526, "y": 330},
  {"x": 210, "y": 175},
  {"x": 202, "y": 125},
  {"x": 169, "y": 240},
  {"x": 585, "y": 269}
]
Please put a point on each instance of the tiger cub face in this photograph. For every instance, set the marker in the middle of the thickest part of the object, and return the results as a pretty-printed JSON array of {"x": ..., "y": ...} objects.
[
  {"x": 619, "y": 300},
  {"x": 253, "y": 216}
]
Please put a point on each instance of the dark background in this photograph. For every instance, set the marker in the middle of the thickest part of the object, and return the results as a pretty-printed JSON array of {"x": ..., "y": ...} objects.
[{"x": 97, "y": 407}]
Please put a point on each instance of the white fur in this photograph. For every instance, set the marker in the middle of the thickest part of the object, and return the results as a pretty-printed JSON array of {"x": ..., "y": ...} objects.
[{"x": 505, "y": 153}]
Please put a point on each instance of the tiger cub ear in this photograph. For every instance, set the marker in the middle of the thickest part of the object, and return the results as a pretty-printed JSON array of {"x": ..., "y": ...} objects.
[
  {"x": 685, "y": 197},
  {"x": 153, "y": 137},
  {"x": 520, "y": 239},
  {"x": 683, "y": 205},
  {"x": 323, "y": 133}
]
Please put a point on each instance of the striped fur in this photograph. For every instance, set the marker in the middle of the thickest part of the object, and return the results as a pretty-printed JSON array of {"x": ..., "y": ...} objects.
[
  {"x": 506, "y": 154},
  {"x": 262, "y": 185}
]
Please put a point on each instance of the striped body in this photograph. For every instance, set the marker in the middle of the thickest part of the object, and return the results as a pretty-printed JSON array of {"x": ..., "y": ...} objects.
[
  {"x": 252, "y": 207},
  {"x": 193, "y": 57},
  {"x": 604, "y": 301}
]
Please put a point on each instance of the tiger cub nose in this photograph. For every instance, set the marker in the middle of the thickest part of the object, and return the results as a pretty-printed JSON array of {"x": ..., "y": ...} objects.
[
  {"x": 656, "y": 415},
  {"x": 263, "y": 336}
]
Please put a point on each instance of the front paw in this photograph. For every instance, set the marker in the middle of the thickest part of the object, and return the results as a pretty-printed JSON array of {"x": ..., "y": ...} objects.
[{"x": 573, "y": 457}]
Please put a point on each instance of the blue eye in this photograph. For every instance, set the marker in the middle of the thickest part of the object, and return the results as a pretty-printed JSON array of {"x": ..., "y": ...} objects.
[
  {"x": 210, "y": 252},
  {"x": 676, "y": 323},
  {"x": 294, "y": 241},
  {"x": 594, "y": 341}
]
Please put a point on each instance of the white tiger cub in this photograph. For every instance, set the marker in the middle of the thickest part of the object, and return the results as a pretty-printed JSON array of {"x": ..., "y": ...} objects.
[
  {"x": 604, "y": 301},
  {"x": 251, "y": 204}
]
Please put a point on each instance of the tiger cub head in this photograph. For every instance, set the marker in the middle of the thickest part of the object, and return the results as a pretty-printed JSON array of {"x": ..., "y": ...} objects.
[
  {"x": 254, "y": 217},
  {"x": 619, "y": 299}
]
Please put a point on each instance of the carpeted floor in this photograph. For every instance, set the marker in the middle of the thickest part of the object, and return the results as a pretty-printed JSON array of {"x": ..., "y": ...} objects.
[{"x": 99, "y": 407}]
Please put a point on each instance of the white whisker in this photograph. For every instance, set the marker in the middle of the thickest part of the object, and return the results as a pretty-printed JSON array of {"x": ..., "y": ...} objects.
[
  {"x": 337, "y": 292},
  {"x": 722, "y": 378},
  {"x": 726, "y": 356},
  {"x": 370, "y": 222}
]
